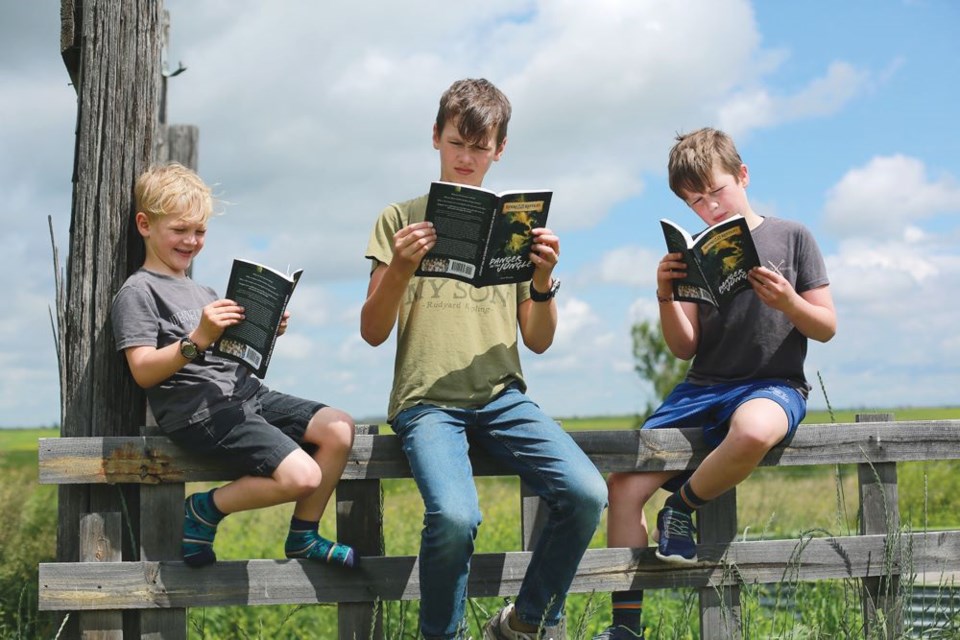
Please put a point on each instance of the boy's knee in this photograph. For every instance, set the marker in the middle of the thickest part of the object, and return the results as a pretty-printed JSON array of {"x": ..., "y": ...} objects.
[
  {"x": 301, "y": 477},
  {"x": 331, "y": 429},
  {"x": 585, "y": 498},
  {"x": 455, "y": 525}
]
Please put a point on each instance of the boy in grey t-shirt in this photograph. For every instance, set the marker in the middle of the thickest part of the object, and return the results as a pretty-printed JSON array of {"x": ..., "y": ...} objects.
[
  {"x": 164, "y": 322},
  {"x": 746, "y": 387}
]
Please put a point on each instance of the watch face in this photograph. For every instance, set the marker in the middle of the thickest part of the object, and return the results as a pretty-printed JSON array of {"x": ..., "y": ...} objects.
[{"x": 188, "y": 349}]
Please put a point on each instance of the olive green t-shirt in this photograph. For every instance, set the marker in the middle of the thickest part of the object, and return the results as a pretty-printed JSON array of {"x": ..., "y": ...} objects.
[{"x": 456, "y": 344}]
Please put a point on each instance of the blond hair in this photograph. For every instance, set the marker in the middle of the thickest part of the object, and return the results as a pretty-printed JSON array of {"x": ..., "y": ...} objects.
[
  {"x": 173, "y": 189},
  {"x": 694, "y": 156}
]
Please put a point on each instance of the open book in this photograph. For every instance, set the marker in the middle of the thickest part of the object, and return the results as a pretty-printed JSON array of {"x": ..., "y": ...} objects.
[
  {"x": 718, "y": 260},
  {"x": 263, "y": 293},
  {"x": 483, "y": 238}
]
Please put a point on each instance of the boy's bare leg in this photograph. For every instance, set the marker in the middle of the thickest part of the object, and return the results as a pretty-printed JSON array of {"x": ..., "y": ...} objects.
[
  {"x": 628, "y": 494},
  {"x": 755, "y": 427},
  {"x": 309, "y": 481},
  {"x": 331, "y": 430},
  {"x": 627, "y": 527}
]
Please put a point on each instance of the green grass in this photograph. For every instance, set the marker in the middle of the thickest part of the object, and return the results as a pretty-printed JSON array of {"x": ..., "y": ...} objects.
[{"x": 774, "y": 503}]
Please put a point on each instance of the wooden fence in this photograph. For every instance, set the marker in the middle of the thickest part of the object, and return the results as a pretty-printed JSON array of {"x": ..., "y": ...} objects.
[{"x": 158, "y": 587}]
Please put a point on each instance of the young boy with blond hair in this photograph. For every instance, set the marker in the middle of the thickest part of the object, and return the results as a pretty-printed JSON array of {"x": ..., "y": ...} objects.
[
  {"x": 745, "y": 388},
  {"x": 458, "y": 383},
  {"x": 165, "y": 323}
]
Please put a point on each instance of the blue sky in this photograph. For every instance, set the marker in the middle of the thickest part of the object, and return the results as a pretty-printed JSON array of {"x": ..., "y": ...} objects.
[{"x": 313, "y": 117}]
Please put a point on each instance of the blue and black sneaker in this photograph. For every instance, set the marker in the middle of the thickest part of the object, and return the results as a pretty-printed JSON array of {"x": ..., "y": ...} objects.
[
  {"x": 618, "y": 632},
  {"x": 676, "y": 543}
]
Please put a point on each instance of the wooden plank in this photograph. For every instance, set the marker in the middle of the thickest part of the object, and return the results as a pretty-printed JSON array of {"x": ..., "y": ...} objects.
[
  {"x": 155, "y": 460},
  {"x": 100, "y": 542},
  {"x": 85, "y": 586},
  {"x": 880, "y": 514}
]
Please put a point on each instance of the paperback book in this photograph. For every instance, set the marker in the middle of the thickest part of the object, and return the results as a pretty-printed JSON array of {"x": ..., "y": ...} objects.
[
  {"x": 483, "y": 238},
  {"x": 718, "y": 260},
  {"x": 263, "y": 292}
]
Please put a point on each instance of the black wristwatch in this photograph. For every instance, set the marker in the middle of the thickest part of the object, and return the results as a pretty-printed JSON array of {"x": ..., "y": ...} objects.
[
  {"x": 189, "y": 349},
  {"x": 537, "y": 296}
]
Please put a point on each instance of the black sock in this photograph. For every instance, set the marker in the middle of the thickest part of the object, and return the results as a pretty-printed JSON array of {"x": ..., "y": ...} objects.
[
  {"x": 296, "y": 524},
  {"x": 685, "y": 499},
  {"x": 628, "y": 609}
]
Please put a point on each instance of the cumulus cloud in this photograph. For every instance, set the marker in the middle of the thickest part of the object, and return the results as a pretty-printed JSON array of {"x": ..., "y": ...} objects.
[
  {"x": 887, "y": 196},
  {"x": 759, "y": 108}
]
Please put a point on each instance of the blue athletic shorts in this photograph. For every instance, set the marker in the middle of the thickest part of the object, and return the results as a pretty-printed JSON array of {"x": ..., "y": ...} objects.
[{"x": 709, "y": 407}]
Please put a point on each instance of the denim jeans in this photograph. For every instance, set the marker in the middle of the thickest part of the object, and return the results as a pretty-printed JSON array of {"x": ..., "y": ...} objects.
[{"x": 514, "y": 430}]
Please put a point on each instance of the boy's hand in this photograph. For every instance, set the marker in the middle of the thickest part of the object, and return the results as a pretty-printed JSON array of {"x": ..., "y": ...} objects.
[
  {"x": 544, "y": 254},
  {"x": 215, "y": 317},
  {"x": 671, "y": 267},
  {"x": 410, "y": 244},
  {"x": 282, "y": 329},
  {"x": 772, "y": 288}
]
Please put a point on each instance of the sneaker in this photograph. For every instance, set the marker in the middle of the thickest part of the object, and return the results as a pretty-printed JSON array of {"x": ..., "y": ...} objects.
[
  {"x": 618, "y": 632},
  {"x": 675, "y": 533},
  {"x": 498, "y": 628}
]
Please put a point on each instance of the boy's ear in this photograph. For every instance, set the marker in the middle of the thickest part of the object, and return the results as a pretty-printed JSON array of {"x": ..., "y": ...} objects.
[
  {"x": 436, "y": 137},
  {"x": 143, "y": 223},
  {"x": 744, "y": 176},
  {"x": 500, "y": 149}
]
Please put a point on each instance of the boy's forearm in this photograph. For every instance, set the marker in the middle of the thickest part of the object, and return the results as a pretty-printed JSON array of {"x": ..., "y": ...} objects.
[
  {"x": 679, "y": 332},
  {"x": 538, "y": 324},
  {"x": 379, "y": 312},
  {"x": 813, "y": 314},
  {"x": 151, "y": 366}
]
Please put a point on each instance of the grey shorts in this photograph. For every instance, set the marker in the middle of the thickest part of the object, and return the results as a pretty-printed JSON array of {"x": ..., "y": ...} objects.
[{"x": 253, "y": 437}]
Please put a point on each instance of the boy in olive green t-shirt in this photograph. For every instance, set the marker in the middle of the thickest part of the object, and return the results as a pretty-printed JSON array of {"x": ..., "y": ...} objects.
[{"x": 457, "y": 374}]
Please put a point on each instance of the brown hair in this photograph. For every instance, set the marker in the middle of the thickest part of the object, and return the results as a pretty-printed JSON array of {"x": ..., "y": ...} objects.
[
  {"x": 479, "y": 105},
  {"x": 693, "y": 157},
  {"x": 173, "y": 189}
]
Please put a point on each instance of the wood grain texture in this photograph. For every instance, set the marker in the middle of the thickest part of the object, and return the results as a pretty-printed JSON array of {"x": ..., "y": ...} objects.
[{"x": 87, "y": 586}]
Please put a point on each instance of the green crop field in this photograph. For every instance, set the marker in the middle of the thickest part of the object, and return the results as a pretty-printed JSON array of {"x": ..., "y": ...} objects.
[{"x": 773, "y": 503}]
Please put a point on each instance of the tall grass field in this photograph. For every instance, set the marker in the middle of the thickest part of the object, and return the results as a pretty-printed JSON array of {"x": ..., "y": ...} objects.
[{"x": 773, "y": 503}]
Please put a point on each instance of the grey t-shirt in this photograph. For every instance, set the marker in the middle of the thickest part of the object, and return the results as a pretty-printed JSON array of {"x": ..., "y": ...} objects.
[
  {"x": 153, "y": 309},
  {"x": 752, "y": 341}
]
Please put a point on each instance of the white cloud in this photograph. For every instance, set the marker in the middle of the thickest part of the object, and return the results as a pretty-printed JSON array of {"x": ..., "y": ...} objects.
[
  {"x": 759, "y": 108},
  {"x": 313, "y": 116},
  {"x": 886, "y": 196},
  {"x": 628, "y": 265}
]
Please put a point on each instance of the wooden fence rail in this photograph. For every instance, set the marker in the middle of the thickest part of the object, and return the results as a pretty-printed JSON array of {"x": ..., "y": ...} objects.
[{"x": 162, "y": 587}]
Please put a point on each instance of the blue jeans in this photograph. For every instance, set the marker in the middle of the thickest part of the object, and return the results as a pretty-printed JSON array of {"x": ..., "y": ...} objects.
[{"x": 513, "y": 430}]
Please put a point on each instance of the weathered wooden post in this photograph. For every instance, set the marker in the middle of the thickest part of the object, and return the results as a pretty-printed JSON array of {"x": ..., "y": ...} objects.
[
  {"x": 360, "y": 524},
  {"x": 112, "y": 50},
  {"x": 720, "y": 617},
  {"x": 880, "y": 514}
]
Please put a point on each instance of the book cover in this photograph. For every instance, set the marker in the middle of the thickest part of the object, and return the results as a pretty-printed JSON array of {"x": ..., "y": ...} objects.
[
  {"x": 483, "y": 237},
  {"x": 263, "y": 292},
  {"x": 718, "y": 260}
]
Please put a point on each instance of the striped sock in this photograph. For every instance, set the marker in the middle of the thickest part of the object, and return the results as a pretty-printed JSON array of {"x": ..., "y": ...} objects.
[
  {"x": 685, "y": 499},
  {"x": 628, "y": 609},
  {"x": 304, "y": 541},
  {"x": 201, "y": 517}
]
